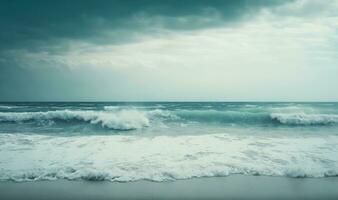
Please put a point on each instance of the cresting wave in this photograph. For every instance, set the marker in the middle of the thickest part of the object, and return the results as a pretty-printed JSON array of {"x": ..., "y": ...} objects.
[
  {"x": 121, "y": 120},
  {"x": 305, "y": 119},
  {"x": 244, "y": 117},
  {"x": 129, "y": 118},
  {"x": 163, "y": 158}
]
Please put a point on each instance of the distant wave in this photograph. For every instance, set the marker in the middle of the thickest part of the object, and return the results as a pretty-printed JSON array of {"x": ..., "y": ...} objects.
[
  {"x": 222, "y": 116},
  {"x": 112, "y": 108},
  {"x": 6, "y": 107},
  {"x": 121, "y": 120},
  {"x": 163, "y": 158},
  {"x": 305, "y": 119}
]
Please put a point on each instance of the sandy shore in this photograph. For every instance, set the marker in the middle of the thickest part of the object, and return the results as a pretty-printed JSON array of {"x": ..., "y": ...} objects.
[{"x": 232, "y": 187}]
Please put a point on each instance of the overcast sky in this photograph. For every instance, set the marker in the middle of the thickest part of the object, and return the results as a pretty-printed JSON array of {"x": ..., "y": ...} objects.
[{"x": 169, "y": 50}]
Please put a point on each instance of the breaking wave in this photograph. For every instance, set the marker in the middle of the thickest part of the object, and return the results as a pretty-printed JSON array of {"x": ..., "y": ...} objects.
[
  {"x": 305, "y": 119},
  {"x": 129, "y": 118},
  {"x": 121, "y": 120},
  {"x": 242, "y": 117}
]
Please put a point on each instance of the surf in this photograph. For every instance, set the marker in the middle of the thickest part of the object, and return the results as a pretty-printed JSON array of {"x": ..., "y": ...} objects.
[
  {"x": 121, "y": 120},
  {"x": 130, "y": 118},
  {"x": 164, "y": 158}
]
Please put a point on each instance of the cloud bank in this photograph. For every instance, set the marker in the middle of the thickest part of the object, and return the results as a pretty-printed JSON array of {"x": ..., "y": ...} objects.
[{"x": 170, "y": 50}]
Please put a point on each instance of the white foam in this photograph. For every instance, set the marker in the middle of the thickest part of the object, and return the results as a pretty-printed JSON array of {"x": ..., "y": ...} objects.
[
  {"x": 161, "y": 114},
  {"x": 162, "y": 158},
  {"x": 294, "y": 109},
  {"x": 6, "y": 107},
  {"x": 112, "y": 108},
  {"x": 122, "y": 119},
  {"x": 250, "y": 106},
  {"x": 304, "y": 119}
]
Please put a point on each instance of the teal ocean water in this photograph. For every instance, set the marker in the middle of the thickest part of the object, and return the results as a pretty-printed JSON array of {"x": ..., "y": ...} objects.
[{"x": 163, "y": 141}]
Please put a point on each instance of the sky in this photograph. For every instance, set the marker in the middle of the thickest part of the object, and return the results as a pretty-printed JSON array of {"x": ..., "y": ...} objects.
[{"x": 169, "y": 50}]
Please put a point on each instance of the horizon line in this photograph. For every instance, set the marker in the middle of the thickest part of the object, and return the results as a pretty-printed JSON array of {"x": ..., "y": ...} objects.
[{"x": 173, "y": 101}]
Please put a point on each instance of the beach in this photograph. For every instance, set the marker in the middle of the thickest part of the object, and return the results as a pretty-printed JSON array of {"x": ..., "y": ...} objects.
[
  {"x": 231, "y": 187},
  {"x": 168, "y": 99}
]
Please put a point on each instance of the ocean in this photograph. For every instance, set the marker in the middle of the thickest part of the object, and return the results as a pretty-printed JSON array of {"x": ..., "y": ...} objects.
[{"x": 166, "y": 141}]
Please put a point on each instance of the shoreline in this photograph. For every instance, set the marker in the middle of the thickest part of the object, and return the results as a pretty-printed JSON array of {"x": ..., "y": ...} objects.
[{"x": 231, "y": 187}]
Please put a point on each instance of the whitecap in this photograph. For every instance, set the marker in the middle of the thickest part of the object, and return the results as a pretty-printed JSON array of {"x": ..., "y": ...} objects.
[
  {"x": 123, "y": 119},
  {"x": 304, "y": 119}
]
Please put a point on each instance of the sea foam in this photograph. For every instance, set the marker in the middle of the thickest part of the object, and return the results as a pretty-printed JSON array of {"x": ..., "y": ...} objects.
[{"x": 163, "y": 158}]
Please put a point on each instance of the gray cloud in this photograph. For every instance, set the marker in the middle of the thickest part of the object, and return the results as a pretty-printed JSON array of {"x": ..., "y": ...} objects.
[
  {"x": 168, "y": 50},
  {"x": 47, "y": 25}
]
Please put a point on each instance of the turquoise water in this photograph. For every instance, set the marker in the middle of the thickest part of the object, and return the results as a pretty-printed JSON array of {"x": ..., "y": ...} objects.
[
  {"x": 168, "y": 118},
  {"x": 163, "y": 141}
]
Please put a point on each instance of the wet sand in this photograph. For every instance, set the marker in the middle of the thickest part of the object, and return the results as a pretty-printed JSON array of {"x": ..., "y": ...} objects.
[{"x": 232, "y": 187}]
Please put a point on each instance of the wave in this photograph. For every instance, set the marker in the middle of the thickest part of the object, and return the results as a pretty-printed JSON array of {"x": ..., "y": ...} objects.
[
  {"x": 121, "y": 120},
  {"x": 163, "y": 158},
  {"x": 304, "y": 119},
  {"x": 6, "y": 107},
  {"x": 129, "y": 118},
  {"x": 112, "y": 108},
  {"x": 263, "y": 118},
  {"x": 222, "y": 116}
]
